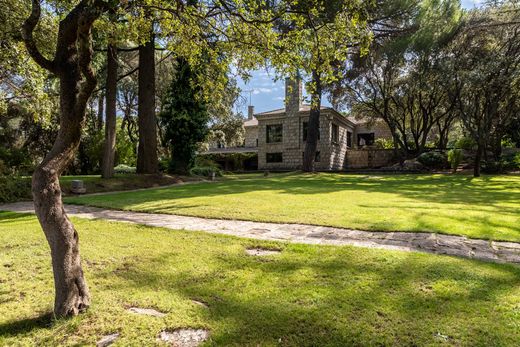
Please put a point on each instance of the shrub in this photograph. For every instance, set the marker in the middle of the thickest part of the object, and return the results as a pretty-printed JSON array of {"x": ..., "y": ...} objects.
[
  {"x": 454, "y": 158},
  {"x": 205, "y": 171},
  {"x": 466, "y": 143},
  {"x": 433, "y": 160},
  {"x": 124, "y": 169},
  {"x": 516, "y": 160},
  {"x": 14, "y": 188},
  {"x": 384, "y": 143}
]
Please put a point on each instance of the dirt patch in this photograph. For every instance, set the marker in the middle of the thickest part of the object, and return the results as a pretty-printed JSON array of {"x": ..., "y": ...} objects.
[
  {"x": 146, "y": 312},
  {"x": 184, "y": 337},
  {"x": 107, "y": 340},
  {"x": 261, "y": 252}
]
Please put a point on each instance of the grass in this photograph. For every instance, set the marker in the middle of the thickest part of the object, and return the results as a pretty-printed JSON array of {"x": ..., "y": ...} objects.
[
  {"x": 93, "y": 183},
  {"x": 304, "y": 296},
  {"x": 486, "y": 208}
]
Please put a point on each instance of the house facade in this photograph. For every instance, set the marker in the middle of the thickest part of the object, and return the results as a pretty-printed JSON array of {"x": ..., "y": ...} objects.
[{"x": 279, "y": 136}]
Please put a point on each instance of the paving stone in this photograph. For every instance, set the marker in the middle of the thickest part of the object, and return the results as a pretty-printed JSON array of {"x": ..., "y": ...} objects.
[
  {"x": 107, "y": 340},
  {"x": 146, "y": 312},
  {"x": 260, "y": 252},
  {"x": 309, "y": 234},
  {"x": 184, "y": 337}
]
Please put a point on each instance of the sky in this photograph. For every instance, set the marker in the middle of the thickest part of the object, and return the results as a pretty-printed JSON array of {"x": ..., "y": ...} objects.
[{"x": 267, "y": 93}]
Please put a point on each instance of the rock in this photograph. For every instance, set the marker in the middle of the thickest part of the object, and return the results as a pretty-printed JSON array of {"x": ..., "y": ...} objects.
[
  {"x": 146, "y": 312},
  {"x": 184, "y": 337},
  {"x": 413, "y": 164},
  {"x": 107, "y": 340},
  {"x": 77, "y": 187},
  {"x": 259, "y": 252}
]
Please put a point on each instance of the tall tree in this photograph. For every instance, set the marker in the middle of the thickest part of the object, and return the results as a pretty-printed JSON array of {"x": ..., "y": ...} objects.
[
  {"x": 487, "y": 57},
  {"x": 72, "y": 65},
  {"x": 147, "y": 161},
  {"x": 107, "y": 169},
  {"x": 184, "y": 117}
]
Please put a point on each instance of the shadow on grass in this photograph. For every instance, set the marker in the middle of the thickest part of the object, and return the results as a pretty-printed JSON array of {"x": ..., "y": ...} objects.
[
  {"x": 24, "y": 326},
  {"x": 338, "y": 299}
]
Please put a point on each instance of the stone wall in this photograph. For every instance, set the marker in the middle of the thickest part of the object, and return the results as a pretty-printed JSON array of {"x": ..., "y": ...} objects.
[
  {"x": 250, "y": 136},
  {"x": 379, "y": 128},
  {"x": 292, "y": 145},
  {"x": 369, "y": 158}
]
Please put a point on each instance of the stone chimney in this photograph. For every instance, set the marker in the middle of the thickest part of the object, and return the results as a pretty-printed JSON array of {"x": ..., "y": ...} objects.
[
  {"x": 250, "y": 112},
  {"x": 293, "y": 94}
]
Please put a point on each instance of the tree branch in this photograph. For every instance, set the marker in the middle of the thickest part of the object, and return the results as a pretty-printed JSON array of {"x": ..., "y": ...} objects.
[{"x": 27, "y": 35}]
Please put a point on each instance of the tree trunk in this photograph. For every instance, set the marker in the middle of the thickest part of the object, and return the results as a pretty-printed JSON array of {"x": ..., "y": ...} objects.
[
  {"x": 110, "y": 122},
  {"x": 72, "y": 65},
  {"x": 478, "y": 159},
  {"x": 313, "y": 126},
  {"x": 147, "y": 161},
  {"x": 101, "y": 110}
]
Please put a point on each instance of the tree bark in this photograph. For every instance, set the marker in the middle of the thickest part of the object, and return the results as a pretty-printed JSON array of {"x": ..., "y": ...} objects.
[
  {"x": 147, "y": 161},
  {"x": 72, "y": 65},
  {"x": 313, "y": 127},
  {"x": 109, "y": 149},
  {"x": 101, "y": 110},
  {"x": 478, "y": 159}
]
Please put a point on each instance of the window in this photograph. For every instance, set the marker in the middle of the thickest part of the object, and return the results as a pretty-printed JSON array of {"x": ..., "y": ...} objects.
[
  {"x": 305, "y": 126},
  {"x": 335, "y": 133},
  {"x": 317, "y": 156},
  {"x": 366, "y": 139},
  {"x": 349, "y": 139},
  {"x": 274, "y": 133},
  {"x": 273, "y": 157}
]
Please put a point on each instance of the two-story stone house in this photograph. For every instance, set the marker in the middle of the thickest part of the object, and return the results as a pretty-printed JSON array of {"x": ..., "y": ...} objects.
[{"x": 279, "y": 136}]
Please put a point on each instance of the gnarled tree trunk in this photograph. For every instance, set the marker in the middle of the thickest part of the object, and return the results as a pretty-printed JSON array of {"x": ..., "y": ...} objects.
[
  {"x": 71, "y": 64},
  {"x": 313, "y": 127},
  {"x": 147, "y": 161},
  {"x": 109, "y": 149}
]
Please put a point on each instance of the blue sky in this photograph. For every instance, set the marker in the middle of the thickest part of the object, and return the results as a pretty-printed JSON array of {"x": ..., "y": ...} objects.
[{"x": 267, "y": 93}]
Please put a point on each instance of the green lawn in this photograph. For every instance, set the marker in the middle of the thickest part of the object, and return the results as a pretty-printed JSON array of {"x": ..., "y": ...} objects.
[
  {"x": 487, "y": 207},
  {"x": 304, "y": 296}
]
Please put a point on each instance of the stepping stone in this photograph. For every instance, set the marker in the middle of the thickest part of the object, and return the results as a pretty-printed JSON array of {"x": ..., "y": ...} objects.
[
  {"x": 146, "y": 311},
  {"x": 200, "y": 303},
  {"x": 107, "y": 340},
  {"x": 184, "y": 337},
  {"x": 260, "y": 252}
]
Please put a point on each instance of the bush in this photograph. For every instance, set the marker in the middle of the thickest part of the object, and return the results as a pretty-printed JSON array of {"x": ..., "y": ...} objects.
[
  {"x": 454, "y": 158},
  {"x": 14, "y": 189},
  {"x": 384, "y": 144},
  {"x": 466, "y": 143},
  {"x": 124, "y": 169},
  {"x": 433, "y": 160},
  {"x": 205, "y": 171},
  {"x": 516, "y": 160}
]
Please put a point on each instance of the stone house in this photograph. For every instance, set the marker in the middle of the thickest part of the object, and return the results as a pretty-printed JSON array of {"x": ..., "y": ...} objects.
[{"x": 279, "y": 136}]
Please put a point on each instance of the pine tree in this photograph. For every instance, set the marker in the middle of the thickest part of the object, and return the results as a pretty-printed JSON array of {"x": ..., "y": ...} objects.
[{"x": 184, "y": 118}]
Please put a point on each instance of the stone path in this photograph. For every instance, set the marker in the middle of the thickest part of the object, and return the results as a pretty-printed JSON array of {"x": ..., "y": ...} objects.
[{"x": 501, "y": 252}]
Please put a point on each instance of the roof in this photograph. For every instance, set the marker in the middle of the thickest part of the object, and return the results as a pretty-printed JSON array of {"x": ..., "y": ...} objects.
[
  {"x": 303, "y": 108},
  {"x": 251, "y": 122},
  {"x": 231, "y": 150}
]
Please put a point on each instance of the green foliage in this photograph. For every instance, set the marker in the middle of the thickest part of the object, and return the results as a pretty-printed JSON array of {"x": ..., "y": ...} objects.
[
  {"x": 516, "y": 160},
  {"x": 184, "y": 118},
  {"x": 433, "y": 160},
  {"x": 466, "y": 143},
  {"x": 14, "y": 188},
  {"x": 384, "y": 143},
  {"x": 454, "y": 158},
  {"x": 124, "y": 169},
  {"x": 205, "y": 166}
]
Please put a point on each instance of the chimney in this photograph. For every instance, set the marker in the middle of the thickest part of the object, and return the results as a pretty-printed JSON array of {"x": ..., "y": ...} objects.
[
  {"x": 293, "y": 94},
  {"x": 250, "y": 112}
]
